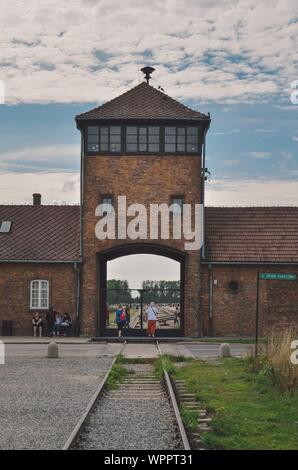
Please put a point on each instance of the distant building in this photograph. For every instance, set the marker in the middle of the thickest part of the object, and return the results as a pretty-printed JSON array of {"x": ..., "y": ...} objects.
[{"x": 150, "y": 148}]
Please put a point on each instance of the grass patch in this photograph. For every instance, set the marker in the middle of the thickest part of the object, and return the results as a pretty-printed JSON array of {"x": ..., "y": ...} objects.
[
  {"x": 118, "y": 373},
  {"x": 164, "y": 362},
  {"x": 249, "y": 411},
  {"x": 189, "y": 418}
]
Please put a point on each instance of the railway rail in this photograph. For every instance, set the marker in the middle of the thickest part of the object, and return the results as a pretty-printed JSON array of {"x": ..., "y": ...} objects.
[{"x": 107, "y": 421}]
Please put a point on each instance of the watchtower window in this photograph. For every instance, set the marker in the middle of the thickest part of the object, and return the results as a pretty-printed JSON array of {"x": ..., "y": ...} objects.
[
  {"x": 104, "y": 139},
  {"x": 181, "y": 139},
  {"x": 142, "y": 139},
  {"x": 177, "y": 204},
  {"x": 107, "y": 202}
]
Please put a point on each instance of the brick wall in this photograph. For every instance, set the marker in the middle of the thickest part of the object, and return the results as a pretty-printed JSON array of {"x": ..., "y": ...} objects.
[
  {"x": 15, "y": 291},
  {"x": 234, "y": 313},
  {"x": 142, "y": 179}
]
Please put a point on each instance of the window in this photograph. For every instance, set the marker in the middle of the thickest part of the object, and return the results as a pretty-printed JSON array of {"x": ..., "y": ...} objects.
[
  {"x": 39, "y": 294},
  {"x": 142, "y": 139},
  {"x": 181, "y": 139},
  {"x": 233, "y": 286},
  {"x": 107, "y": 202},
  {"x": 5, "y": 226},
  {"x": 104, "y": 139},
  {"x": 177, "y": 202}
]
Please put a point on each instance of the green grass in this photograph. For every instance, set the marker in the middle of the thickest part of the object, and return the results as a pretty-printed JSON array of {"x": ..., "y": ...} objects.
[
  {"x": 248, "y": 411},
  {"x": 118, "y": 373},
  {"x": 164, "y": 362}
]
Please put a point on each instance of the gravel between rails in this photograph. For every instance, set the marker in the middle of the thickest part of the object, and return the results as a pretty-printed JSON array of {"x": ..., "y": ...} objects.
[
  {"x": 42, "y": 399},
  {"x": 140, "y": 421}
]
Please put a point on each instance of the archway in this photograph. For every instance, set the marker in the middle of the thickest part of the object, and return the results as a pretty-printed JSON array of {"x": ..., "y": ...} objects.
[{"x": 171, "y": 304}]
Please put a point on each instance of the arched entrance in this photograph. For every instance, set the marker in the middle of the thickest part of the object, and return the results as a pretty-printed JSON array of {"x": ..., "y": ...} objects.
[{"x": 133, "y": 249}]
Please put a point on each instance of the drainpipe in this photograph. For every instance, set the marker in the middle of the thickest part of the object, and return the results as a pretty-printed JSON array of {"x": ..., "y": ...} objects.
[
  {"x": 210, "y": 306},
  {"x": 203, "y": 189},
  {"x": 78, "y": 297}
]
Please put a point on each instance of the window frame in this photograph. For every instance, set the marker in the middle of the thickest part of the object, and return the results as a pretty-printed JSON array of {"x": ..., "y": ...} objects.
[
  {"x": 177, "y": 196},
  {"x": 39, "y": 307},
  {"x": 161, "y": 124},
  {"x": 107, "y": 196}
]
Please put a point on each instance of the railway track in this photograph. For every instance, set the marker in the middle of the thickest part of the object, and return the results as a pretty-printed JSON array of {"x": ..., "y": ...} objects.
[{"x": 142, "y": 413}]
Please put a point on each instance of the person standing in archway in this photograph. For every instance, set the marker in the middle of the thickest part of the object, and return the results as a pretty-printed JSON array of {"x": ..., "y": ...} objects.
[
  {"x": 152, "y": 313},
  {"x": 120, "y": 319}
]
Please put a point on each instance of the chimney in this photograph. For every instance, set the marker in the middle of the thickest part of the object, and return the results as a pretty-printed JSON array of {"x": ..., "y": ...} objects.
[{"x": 36, "y": 199}]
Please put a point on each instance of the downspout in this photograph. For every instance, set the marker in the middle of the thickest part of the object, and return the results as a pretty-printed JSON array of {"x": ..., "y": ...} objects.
[
  {"x": 203, "y": 186},
  {"x": 210, "y": 303},
  {"x": 81, "y": 190}
]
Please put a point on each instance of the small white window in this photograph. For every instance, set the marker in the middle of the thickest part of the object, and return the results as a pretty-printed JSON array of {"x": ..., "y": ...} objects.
[
  {"x": 39, "y": 294},
  {"x": 5, "y": 226}
]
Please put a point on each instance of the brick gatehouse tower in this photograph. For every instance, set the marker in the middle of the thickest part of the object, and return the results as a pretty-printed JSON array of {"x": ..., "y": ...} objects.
[{"x": 148, "y": 147}]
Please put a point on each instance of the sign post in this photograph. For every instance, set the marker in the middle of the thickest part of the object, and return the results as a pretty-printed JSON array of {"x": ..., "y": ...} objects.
[
  {"x": 257, "y": 314},
  {"x": 268, "y": 277}
]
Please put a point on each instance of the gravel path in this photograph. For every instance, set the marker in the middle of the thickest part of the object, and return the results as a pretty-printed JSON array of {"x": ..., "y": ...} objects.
[
  {"x": 137, "y": 415},
  {"x": 42, "y": 399}
]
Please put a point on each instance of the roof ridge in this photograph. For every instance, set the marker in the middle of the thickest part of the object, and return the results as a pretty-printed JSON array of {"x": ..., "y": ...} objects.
[{"x": 151, "y": 96}]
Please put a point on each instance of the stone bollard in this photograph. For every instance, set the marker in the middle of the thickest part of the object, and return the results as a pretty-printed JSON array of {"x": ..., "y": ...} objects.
[
  {"x": 225, "y": 350},
  {"x": 53, "y": 351}
]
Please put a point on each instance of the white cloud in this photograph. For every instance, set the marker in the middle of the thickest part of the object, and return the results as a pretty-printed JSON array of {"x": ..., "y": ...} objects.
[
  {"x": 295, "y": 139},
  {"x": 62, "y": 188},
  {"x": 259, "y": 155},
  {"x": 65, "y": 188},
  {"x": 252, "y": 192},
  {"x": 53, "y": 157},
  {"x": 91, "y": 50}
]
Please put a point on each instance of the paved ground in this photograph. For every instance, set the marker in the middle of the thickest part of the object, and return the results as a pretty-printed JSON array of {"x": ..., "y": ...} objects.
[
  {"x": 87, "y": 349},
  {"x": 65, "y": 350}
]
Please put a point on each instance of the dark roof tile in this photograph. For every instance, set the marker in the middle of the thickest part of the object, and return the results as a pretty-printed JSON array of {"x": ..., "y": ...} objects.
[
  {"x": 142, "y": 102},
  {"x": 47, "y": 233},
  {"x": 251, "y": 234}
]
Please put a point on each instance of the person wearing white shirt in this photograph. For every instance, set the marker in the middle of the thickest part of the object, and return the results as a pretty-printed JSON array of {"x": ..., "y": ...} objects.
[{"x": 152, "y": 313}]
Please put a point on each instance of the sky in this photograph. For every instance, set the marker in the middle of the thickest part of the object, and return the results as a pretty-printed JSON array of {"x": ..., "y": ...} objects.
[
  {"x": 138, "y": 268},
  {"x": 236, "y": 59}
]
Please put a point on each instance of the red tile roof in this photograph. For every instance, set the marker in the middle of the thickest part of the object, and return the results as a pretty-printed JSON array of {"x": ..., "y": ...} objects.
[
  {"x": 48, "y": 233},
  {"x": 261, "y": 234},
  {"x": 233, "y": 234},
  {"x": 143, "y": 102}
]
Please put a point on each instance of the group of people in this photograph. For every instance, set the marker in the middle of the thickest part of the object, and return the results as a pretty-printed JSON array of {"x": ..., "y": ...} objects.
[
  {"x": 57, "y": 324},
  {"x": 122, "y": 318}
]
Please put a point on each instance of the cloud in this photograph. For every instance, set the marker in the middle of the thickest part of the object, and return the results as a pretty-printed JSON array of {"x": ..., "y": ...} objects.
[
  {"x": 59, "y": 188},
  {"x": 91, "y": 50},
  {"x": 252, "y": 192},
  {"x": 54, "y": 157},
  {"x": 295, "y": 139},
  {"x": 259, "y": 155}
]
